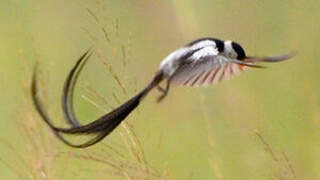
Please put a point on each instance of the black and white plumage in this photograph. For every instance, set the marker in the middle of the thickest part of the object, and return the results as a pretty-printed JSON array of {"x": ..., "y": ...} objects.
[
  {"x": 208, "y": 61},
  {"x": 199, "y": 63}
]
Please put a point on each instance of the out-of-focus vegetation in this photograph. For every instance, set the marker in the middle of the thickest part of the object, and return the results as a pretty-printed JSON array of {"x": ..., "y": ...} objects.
[{"x": 263, "y": 124}]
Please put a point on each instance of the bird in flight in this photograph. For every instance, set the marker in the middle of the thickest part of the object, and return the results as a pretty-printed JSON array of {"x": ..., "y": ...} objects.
[{"x": 200, "y": 63}]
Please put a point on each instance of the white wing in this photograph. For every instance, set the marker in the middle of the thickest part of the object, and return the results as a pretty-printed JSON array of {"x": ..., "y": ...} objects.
[
  {"x": 205, "y": 67},
  {"x": 174, "y": 59}
]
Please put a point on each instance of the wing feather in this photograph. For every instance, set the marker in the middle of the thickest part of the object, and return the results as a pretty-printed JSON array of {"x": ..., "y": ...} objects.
[
  {"x": 222, "y": 69},
  {"x": 205, "y": 77},
  {"x": 212, "y": 75},
  {"x": 236, "y": 69},
  {"x": 203, "y": 70},
  {"x": 215, "y": 79},
  {"x": 197, "y": 81},
  {"x": 228, "y": 72}
]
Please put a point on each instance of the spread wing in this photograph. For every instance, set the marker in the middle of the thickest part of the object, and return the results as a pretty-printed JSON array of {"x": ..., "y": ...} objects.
[
  {"x": 206, "y": 67},
  {"x": 208, "y": 70}
]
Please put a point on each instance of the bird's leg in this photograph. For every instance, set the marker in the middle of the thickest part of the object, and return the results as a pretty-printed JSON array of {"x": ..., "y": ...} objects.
[
  {"x": 161, "y": 89},
  {"x": 164, "y": 92}
]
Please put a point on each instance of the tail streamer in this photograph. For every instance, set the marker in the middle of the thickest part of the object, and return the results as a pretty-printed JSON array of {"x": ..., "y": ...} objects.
[{"x": 101, "y": 127}]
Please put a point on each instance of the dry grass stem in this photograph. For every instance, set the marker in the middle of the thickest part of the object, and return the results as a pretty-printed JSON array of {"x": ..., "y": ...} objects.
[
  {"x": 105, "y": 33},
  {"x": 98, "y": 96},
  {"x": 284, "y": 169},
  {"x": 93, "y": 15}
]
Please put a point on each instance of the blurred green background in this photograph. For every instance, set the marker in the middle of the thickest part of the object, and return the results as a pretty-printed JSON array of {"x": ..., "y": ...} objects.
[{"x": 263, "y": 124}]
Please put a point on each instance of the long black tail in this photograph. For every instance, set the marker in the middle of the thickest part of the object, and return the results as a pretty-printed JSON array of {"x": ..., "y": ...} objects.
[{"x": 100, "y": 127}]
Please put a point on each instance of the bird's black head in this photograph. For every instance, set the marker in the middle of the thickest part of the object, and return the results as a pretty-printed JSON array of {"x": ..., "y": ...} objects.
[{"x": 241, "y": 55}]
